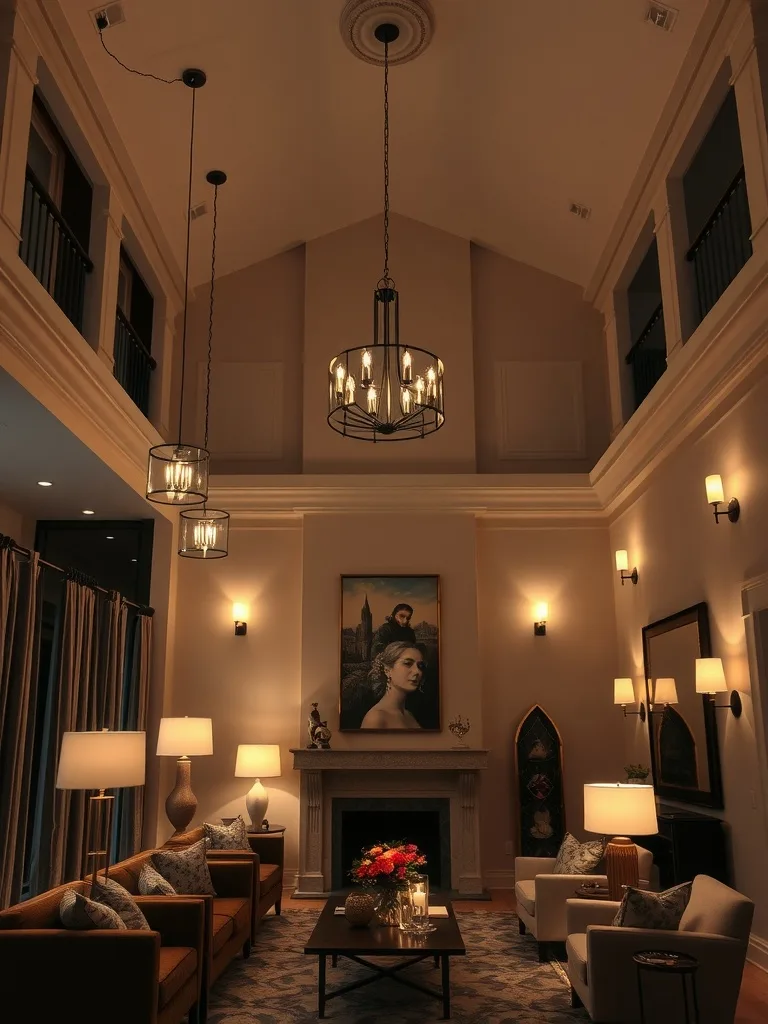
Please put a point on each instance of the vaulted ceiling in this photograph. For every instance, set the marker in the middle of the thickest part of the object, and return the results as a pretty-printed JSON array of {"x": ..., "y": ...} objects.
[{"x": 516, "y": 109}]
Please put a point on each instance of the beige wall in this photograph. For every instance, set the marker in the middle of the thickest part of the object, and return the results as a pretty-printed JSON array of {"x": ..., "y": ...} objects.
[
  {"x": 683, "y": 557},
  {"x": 13, "y": 524}
]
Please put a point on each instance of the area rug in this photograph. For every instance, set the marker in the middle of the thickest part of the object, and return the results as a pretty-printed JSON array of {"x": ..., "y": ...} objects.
[{"x": 499, "y": 981}]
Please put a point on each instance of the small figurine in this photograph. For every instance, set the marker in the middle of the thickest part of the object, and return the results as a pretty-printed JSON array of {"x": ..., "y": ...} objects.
[
  {"x": 265, "y": 824},
  {"x": 319, "y": 733},
  {"x": 459, "y": 728}
]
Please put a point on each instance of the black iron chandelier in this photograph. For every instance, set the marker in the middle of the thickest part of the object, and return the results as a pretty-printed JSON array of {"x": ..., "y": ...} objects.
[{"x": 386, "y": 391}]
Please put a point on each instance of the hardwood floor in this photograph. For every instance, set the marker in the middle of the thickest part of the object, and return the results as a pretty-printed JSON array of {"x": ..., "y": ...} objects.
[{"x": 753, "y": 1000}]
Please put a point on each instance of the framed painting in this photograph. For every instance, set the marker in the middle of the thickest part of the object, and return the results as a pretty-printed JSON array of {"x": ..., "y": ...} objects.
[{"x": 390, "y": 653}]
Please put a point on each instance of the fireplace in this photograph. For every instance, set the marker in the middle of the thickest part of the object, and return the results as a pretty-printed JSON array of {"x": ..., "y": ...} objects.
[{"x": 359, "y": 822}]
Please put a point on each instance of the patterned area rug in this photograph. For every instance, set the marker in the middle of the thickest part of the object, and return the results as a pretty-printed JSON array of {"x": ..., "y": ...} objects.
[{"x": 499, "y": 981}]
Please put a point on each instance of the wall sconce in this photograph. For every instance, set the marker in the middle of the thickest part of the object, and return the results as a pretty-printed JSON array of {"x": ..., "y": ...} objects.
[
  {"x": 664, "y": 692},
  {"x": 624, "y": 693},
  {"x": 716, "y": 496},
  {"x": 622, "y": 564},
  {"x": 540, "y": 613},
  {"x": 710, "y": 679},
  {"x": 240, "y": 615}
]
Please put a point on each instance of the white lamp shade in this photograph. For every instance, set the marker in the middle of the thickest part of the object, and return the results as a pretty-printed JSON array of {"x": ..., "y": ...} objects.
[
  {"x": 179, "y": 737},
  {"x": 714, "y": 486},
  {"x": 710, "y": 677},
  {"x": 541, "y": 611},
  {"x": 665, "y": 691},
  {"x": 622, "y": 561},
  {"x": 623, "y": 691},
  {"x": 101, "y": 760},
  {"x": 240, "y": 612},
  {"x": 619, "y": 809},
  {"x": 258, "y": 761}
]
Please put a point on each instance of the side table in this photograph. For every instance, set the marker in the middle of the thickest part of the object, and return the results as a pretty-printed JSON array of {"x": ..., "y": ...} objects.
[
  {"x": 592, "y": 892},
  {"x": 656, "y": 961}
]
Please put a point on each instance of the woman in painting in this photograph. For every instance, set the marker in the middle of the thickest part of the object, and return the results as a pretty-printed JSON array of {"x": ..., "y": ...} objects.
[{"x": 396, "y": 672}]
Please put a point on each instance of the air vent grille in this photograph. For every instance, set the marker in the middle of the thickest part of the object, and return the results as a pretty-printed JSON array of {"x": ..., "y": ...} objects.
[
  {"x": 113, "y": 14},
  {"x": 198, "y": 211},
  {"x": 661, "y": 17},
  {"x": 580, "y": 210}
]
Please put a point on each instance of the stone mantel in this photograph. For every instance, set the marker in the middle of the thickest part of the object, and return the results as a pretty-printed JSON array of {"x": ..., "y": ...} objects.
[{"x": 459, "y": 760}]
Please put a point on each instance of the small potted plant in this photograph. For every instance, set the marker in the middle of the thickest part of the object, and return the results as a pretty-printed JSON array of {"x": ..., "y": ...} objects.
[{"x": 637, "y": 772}]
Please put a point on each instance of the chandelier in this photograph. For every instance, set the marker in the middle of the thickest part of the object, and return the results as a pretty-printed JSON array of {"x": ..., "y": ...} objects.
[
  {"x": 204, "y": 532},
  {"x": 386, "y": 391}
]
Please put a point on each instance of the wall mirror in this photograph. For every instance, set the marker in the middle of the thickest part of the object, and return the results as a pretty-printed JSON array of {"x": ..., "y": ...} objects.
[{"x": 685, "y": 756}]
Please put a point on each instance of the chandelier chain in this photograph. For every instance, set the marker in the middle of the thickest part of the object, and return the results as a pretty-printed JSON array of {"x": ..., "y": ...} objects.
[
  {"x": 186, "y": 264},
  {"x": 210, "y": 314},
  {"x": 385, "y": 276}
]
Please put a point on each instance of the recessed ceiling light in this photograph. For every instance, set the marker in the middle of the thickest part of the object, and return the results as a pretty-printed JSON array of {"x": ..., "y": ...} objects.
[
  {"x": 44, "y": 483},
  {"x": 110, "y": 537},
  {"x": 88, "y": 512},
  {"x": 134, "y": 559}
]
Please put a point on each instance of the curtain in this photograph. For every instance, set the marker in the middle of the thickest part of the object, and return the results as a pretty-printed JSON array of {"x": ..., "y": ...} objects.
[
  {"x": 19, "y": 652},
  {"x": 130, "y": 810}
]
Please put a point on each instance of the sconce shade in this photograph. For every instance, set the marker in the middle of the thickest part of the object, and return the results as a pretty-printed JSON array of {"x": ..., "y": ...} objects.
[
  {"x": 619, "y": 809},
  {"x": 622, "y": 561},
  {"x": 240, "y": 612},
  {"x": 623, "y": 691},
  {"x": 710, "y": 677},
  {"x": 665, "y": 691},
  {"x": 541, "y": 611},
  {"x": 101, "y": 760},
  {"x": 714, "y": 486},
  {"x": 258, "y": 761},
  {"x": 184, "y": 737}
]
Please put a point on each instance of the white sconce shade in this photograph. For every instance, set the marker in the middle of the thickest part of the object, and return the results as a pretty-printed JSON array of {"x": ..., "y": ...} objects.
[
  {"x": 710, "y": 677},
  {"x": 622, "y": 561},
  {"x": 665, "y": 692},
  {"x": 612, "y": 809},
  {"x": 240, "y": 612},
  {"x": 714, "y": 486},
  {"x": 623, "y": 691},
  {"x": 185, "y": 737},
  {"x": 101, "y": 760},
  {"x": 258, "y": 761},
  {"x": 541, "y": 611}
]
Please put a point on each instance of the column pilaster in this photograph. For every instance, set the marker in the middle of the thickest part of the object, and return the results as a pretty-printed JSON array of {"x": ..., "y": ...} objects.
[
  {"x": 677, "y": 287},
  {"x": 101, "y": 294}
]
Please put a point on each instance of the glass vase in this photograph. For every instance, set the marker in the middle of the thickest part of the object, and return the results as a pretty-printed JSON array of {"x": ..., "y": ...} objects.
[{"x": 387, "y": 907}]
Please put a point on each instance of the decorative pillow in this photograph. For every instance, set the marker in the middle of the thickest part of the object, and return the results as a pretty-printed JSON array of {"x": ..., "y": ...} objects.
[
  {"x": 186, "y": 870},
  {"x": 152, "y": 883},
  {"x": 227, "y": 837},
  {"x": 575, "y": 858},
  {"x": 643, "y": 909},
  {"x": 112, "y": 894},
  {"x": 78, "y": 912}
]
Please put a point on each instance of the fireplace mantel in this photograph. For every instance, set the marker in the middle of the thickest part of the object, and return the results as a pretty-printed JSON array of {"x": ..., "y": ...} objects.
[{"x": 458, "y": 760}]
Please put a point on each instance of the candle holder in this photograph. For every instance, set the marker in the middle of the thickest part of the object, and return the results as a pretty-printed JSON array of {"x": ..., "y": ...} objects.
[{"x": 418, "y": 887}]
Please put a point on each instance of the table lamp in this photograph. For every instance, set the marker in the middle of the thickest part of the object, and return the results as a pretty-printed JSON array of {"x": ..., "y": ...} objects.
[
  {"x": 259, "y": 761},
  {"x": 182, "y": 737},
  {"x": 100, "y": 760},
  {"x": 620, "y": 810}
]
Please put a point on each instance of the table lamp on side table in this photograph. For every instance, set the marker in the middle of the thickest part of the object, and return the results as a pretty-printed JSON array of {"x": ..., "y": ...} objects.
[
  {"x": 180, "y": 737},
  {"x": 100, "y": 760},
  {"x": 620, "y": 810},
  {"x": 257, "y": 761}
]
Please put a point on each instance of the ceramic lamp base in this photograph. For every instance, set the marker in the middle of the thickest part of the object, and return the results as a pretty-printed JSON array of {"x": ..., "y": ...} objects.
[
  {"x": 621, "y": 866},
  {"x": 181, "y": 802},
  {"x": 256, "y": 803}
]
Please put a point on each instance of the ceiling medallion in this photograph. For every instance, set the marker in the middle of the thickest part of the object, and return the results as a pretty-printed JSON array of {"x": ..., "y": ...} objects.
[{"x": 413, "y": 18}]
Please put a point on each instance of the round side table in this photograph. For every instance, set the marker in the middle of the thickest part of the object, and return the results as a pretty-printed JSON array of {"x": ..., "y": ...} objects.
[
  {"x": 654, "y": 961},
  {"x": 271, "y": 831}
]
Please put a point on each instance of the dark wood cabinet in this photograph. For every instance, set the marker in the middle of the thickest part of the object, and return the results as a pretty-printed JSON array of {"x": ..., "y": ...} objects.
[{"x": 688, "y": 843}]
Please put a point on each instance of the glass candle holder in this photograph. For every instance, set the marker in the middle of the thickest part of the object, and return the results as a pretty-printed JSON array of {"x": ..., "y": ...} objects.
[{"x": 419, "y": 893}]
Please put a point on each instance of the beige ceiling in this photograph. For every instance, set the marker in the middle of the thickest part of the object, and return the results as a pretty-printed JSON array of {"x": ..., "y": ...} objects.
[{"x": 515, "y": 110}]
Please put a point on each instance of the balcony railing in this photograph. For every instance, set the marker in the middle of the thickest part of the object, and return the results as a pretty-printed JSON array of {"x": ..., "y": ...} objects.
[
  {"x": 648, "y": 356},
  {"x": 133, "y": 363},
  {"x": 51, "y": 251},
  {"x": 723, "y": 246}
]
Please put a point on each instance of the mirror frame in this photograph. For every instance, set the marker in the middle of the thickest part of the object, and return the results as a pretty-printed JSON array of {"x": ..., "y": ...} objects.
[{"x": 697, "y": 614}]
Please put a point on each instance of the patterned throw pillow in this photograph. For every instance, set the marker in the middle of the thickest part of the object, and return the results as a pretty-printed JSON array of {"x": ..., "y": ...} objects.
[
  {"x": 152, "y": 883},
  {"x": 78, "y": 912},
  {"x": 643, "y": 909},
  {"x": 575, "y": 858},
  {"x": 116, "y": 896},
  {"x": 186, "y": 870},
  {"x": 227, "y": 837}
]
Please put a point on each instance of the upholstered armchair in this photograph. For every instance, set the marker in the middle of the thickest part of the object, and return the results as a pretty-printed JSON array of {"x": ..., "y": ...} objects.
[
  {"x": 714, "y": 928},
  {"x": 541, "y": 895}
]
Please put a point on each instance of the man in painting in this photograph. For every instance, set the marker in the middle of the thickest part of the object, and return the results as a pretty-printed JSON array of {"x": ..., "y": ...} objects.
[{"x": 396, "y": 628}]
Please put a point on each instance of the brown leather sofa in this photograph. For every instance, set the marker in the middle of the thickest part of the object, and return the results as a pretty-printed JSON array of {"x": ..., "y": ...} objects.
[{"x": 125, "y": 977}]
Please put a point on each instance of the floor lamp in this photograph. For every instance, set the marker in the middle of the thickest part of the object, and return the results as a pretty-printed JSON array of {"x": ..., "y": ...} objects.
[
  {"x": 620, "y": 810},
  {"x": 182, "y": 737},
  {"x": 257, "y": 761},
  {"x": 100, "y": 760}
]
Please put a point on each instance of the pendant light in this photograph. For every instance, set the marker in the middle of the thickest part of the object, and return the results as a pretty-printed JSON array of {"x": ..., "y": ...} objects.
[
  {"x": 204, "y": 532},
  {"x": 386, "y": 391},
  {"x": 178, "y": 473}
]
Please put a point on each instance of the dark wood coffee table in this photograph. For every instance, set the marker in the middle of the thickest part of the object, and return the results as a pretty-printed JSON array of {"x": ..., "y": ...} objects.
[{"x": 334, "y": 936}]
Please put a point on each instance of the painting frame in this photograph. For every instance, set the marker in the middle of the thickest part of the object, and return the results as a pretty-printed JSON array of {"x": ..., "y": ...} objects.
[{"x": 364, "y": 636}]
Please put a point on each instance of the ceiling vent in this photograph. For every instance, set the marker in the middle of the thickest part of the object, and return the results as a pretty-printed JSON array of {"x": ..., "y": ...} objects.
[
  {"x": 661, "y": 16},
  {"x": 107, "y": 17},
  {"x": 579, "y": 210},
  {"x": 198, "y": 211}
]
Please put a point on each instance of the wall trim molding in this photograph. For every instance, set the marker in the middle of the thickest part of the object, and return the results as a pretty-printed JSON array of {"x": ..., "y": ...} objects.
[{"x": 757, "y": 952}]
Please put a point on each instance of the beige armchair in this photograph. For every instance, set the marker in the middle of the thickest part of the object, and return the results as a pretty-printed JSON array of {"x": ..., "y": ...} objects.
[
  {"x": 541, "y": 896},
  {"x": 714, "y": 928}
]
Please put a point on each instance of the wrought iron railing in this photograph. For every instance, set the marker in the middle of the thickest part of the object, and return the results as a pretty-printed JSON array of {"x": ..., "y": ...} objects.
[
  {"x": 648, "y": 356},
  {"x": 723, "y": 245},
  {"x": 133, "y": 363},
  {"x": 51, "y": 251}
]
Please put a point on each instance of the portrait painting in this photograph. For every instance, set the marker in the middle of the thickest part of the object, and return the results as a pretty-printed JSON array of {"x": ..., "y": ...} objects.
[{"x": 390, "y": 653}]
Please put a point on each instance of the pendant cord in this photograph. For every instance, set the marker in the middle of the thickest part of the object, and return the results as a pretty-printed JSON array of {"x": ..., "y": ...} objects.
[
  {"x": 186, "y": 264},
  {"x": 210, "y": 314},
  {"x": 385, "y": 276}
]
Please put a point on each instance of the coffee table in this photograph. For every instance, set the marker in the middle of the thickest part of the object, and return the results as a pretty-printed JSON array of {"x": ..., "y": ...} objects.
[{"x": 334, "y": 936}]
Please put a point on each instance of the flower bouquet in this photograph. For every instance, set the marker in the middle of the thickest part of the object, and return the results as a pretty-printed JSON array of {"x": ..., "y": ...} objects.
[{"x": 388, "y": 867}]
